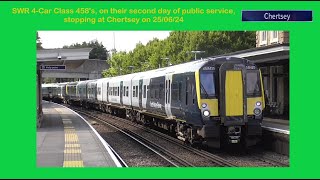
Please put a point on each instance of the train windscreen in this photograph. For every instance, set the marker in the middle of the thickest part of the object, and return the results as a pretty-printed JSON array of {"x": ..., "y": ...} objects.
[
  {"x": 207, "y": 84},
  {"x": 253, "y": 83}
]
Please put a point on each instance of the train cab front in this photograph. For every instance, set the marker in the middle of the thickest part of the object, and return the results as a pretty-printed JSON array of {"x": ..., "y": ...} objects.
[{"x": 231, "y": 102}]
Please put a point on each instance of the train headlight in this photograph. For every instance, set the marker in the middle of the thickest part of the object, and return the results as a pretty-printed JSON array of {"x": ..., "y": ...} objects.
[
  {"x": 206, "y": 113},
  {"x": 204, "y": 105},
  {"x": 257, "y": 111},
  {"x": 258, "y": 103}
]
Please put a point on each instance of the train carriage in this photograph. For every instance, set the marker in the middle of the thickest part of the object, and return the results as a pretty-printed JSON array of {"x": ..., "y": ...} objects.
[
  {"x": 72, "y": 93},
  {"x": 92, "y": 91},
  {"x": 213, "y": 101},
  {"x": 209, "y": 101}
]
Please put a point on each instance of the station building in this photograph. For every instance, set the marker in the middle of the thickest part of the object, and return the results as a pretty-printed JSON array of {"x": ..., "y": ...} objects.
[
  {"x": 78, "y": 68},
  {"x": 78, "y": 65}
]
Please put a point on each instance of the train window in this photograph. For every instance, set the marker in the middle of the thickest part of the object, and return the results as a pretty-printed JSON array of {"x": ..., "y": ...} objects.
[
  {"x": 179, "y": 91},
  {"x": 174, "y": 91},
  {"x": 134, "y": 91},
  {"x": 253, "y": 83},
  {"x": 207, "y": 84},
  {"x": 144, "y": 91},
  {"x": 156, "y": 93},
  {"x": 169, "y": 91},
  {"x": 137, "y": 91},
  {"x": 148, "y": 90},
  {"x": 193, "y": 94},
  {"x": 151, "y": 91},
  {"x": 166, "y": 91},
  {"x": 160, "y": 91},
  {"x": 187, "y": 84},
  {"x": 127, "y": 91},
  {"x": 118, "y": 92}
]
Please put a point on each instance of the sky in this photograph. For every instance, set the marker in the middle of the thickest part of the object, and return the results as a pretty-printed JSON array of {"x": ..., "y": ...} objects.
[{"x": 124, "y": 40}]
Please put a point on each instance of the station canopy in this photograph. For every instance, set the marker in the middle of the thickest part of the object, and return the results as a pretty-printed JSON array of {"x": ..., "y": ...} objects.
[{"x": 72, "y": 58}]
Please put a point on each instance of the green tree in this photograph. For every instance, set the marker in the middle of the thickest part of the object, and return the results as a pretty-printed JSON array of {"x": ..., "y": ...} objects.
[
  {"x": 117, "y": 66},
  {"x": 177, "y": 48},
  {"x": 39, "y": 43},
  {"x": 98, "y": 50}
]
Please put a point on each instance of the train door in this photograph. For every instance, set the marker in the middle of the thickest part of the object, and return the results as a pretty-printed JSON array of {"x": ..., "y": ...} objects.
[
  {"x": 121, "y": 92},
  {"x": 140, "y": 92},
  {"x": 232, "y": 93},
  {"x": 145, "y": 93},
  {"x": 168, "y": 82},
  {"x": 107, "y": 92}
]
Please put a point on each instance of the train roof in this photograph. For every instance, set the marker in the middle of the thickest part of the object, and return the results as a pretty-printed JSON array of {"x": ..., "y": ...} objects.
[{"x": 175, "y": 69}]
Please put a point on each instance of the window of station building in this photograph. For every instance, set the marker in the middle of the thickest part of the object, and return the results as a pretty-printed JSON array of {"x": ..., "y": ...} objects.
[
  {"x": 134, "y": 91},
  {"x": 274, "y": 37},
  {"x": 263, "y": 37}
]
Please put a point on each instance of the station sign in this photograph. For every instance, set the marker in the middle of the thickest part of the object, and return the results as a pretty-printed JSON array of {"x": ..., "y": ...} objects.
[{"x": 52, "y": 67}]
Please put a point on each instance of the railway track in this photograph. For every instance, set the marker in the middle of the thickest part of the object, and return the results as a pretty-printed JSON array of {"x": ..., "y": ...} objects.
[
  {"x": 172, "y": 156},
  {"x": 150, "y": 146}
]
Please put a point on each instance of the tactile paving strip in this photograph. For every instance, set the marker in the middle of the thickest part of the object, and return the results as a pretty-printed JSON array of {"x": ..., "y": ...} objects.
[{"x": 72, "y": 150}]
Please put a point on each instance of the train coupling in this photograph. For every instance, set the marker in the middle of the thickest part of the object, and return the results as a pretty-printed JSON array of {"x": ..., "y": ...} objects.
[{"x": 234, "y": 133}]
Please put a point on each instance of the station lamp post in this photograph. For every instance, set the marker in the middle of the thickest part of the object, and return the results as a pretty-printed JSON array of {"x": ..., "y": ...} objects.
[
  {"x": 195, "y": 53},
  {"x": 167, "y": 59},
  {"x": 131, "y": 67}
]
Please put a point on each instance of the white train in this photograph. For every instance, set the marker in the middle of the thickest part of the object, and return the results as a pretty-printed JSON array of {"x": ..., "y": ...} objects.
[{"x": 212, "y": 101}]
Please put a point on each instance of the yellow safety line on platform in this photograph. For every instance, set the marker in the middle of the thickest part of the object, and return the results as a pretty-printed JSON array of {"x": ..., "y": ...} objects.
[
  {"x": 73, "y": 164},
  {"x": 72, "y": 150}
]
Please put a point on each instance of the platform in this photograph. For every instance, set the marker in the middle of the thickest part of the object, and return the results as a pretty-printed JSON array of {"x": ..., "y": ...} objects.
[
  {"x": 276, "y": 125},
  {"x": 65, "y": 139}
]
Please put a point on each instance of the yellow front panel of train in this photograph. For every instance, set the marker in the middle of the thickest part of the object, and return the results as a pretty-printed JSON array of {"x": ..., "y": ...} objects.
[{"x": 234, "y": 93}]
